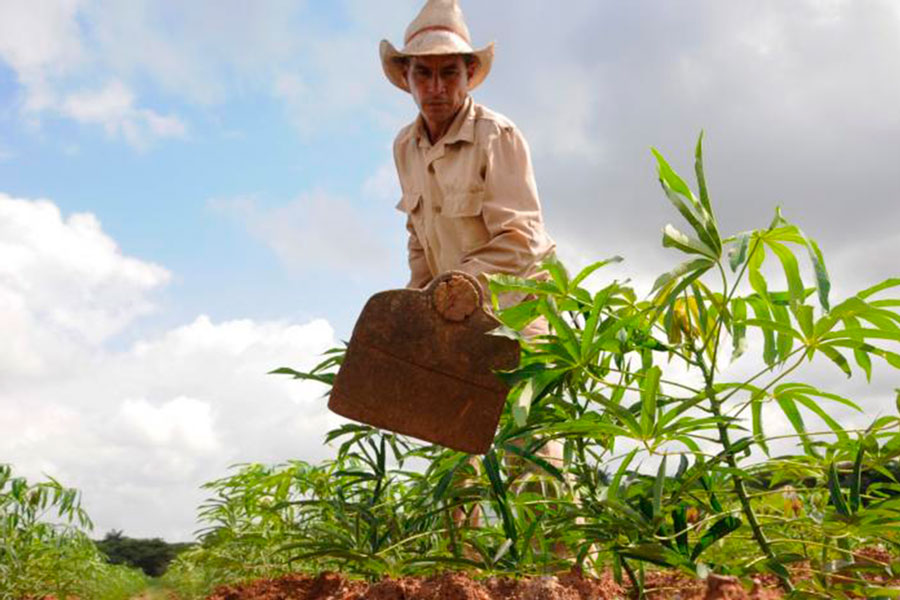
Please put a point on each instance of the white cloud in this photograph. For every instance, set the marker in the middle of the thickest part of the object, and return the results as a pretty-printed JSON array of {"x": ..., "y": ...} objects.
[
  {"x": 201, "y": 53},
  {"x": 64, "y": 284},
  {"x": 317, "y": 232},
  {"x": 182, "y": 420},
  {"x": 40, "y": 41},
  {"x": 113, "y": 107},
  {"x": 55, "y": 62},
  {"x": 139, "y": 429}
]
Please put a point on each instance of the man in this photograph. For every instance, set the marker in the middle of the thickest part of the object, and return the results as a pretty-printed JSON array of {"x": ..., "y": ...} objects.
[{"x": 468, "y": 187}]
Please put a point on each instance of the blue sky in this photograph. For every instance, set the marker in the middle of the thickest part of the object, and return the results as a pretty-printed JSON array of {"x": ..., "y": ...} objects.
[{"x": 194, "y": 193}]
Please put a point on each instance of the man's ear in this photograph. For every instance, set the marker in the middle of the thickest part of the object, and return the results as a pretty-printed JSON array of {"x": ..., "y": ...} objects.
[{"x": 471, "y": 67}]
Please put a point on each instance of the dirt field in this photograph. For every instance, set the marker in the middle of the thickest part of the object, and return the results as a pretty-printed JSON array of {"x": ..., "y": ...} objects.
[{"x": 457, "y": 586}]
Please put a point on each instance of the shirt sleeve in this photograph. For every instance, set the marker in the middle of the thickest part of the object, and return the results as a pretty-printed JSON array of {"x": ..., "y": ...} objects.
[
  {"x": 419, "y": 273},
  {"x": 511, "y": 212}
]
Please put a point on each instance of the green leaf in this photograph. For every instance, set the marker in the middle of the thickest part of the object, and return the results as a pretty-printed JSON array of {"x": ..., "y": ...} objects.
[
  {"x": 654, "y": 553},
  {"x": 680, "y": 527},
  {"x": 649, "y": 393},
  {"x": 856, "y": 481},
  {"x": 701, "y": 181},
  {"x": 789, "y": 408},
  {"x": 536, "y": 459},
  {"x": 761, "y": 310},
  {"x": 837, "y": 358},
  {"x": 738, "y": 254},
  {"x": 590, "y": 326},
  {"x": 785, "y": 342},
  {"x": 558, "y": 272},
  {"x": 612, "y": 492},
  {"x": 791, "y": 270},
  {"x": 834, "y": 490},
  {"x": 518, "y": 316},
  {"x": 561, "y": 328},
  {"x": 884, "y": 285},
  {"x": 680, "y": 195},
  {"x": 673, "y": 238},
  {"x": 521, "y": 405},
  {"x": 697, "y": 265},
  {"x": 823, "y": 282},
  {"x": 587, "y": 271},
  {"x": 738, "y": 328},
  {"x": 501, "y": 282},
  {"x": 719, "y": 530},
  {"x": 815, "y": 408},
  {"x": 757, "y": 281},
  {"x": 863, "y": 333},
  {"x": 658, "y": 487},
  {"x": 756, "y": 406}
]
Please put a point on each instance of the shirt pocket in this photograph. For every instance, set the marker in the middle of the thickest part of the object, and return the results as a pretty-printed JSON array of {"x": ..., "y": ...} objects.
[
  {"x": 410, "y": 202},
  {"x": 462, "y": 220},
  {"x": 463, "y": 204}
]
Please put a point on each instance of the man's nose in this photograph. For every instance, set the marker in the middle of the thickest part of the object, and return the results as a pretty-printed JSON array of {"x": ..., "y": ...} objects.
[{"x": 437, "y": 84}]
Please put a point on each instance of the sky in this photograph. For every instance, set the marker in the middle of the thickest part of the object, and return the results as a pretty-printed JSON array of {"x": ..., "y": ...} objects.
[{"x": 193, "y": 194}]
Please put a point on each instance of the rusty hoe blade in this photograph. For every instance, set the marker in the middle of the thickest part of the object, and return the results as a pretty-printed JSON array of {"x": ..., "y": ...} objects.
[{"x": 419, "y": 364}]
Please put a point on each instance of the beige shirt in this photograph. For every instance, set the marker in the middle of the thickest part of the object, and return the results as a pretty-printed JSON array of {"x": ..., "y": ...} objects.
[{"x": 471, "y": 200}]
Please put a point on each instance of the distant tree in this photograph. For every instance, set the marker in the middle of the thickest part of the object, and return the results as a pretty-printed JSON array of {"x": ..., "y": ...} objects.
[{"x": 152, "y": 556}]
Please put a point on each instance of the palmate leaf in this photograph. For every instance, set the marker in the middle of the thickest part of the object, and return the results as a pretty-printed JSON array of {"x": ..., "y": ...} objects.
[
  {"x": 680, "y": 195},
  {"x": 783, "y": 231}
]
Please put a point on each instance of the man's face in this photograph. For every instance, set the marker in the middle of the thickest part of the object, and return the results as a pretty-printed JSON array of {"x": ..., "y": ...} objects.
[{"x": 439, "y": 85}]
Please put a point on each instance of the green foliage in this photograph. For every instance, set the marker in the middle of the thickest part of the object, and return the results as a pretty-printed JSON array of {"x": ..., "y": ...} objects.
[
  {"x": 44, "y": 549},
  {"x": 150, "y": 556},
  {"x": 667, "y": 460}
]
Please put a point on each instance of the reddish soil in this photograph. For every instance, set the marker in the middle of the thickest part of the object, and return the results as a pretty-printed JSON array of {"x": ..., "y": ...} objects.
[
  {"x": 459, "y": 586},
  {"x": 661, "y": 585}
]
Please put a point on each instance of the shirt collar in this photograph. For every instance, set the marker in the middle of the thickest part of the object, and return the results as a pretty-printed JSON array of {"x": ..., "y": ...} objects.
[{"x": 461, "y": 129}]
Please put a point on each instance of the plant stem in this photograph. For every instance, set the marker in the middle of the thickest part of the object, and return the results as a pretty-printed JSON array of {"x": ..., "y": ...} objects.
[{"x": 738, "y": 481}]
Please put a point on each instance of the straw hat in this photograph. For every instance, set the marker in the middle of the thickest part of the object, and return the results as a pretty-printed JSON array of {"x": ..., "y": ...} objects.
[{"x": 440, "y": 28}]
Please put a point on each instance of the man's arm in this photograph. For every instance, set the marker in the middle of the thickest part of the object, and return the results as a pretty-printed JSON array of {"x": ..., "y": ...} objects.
[
  {"x": 511, "y": 212},
  {"x": 419, "y": 273}
]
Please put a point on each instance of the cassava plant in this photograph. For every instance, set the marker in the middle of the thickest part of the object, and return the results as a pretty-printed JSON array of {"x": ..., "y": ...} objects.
[
  {"x": 608, "y": 365},
  {"x": 44, "y": 549},
  {"x": 670, "y": 408}
]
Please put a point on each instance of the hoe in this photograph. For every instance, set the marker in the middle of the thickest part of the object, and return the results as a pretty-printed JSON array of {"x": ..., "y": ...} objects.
[{"x": 420, "y": 363}]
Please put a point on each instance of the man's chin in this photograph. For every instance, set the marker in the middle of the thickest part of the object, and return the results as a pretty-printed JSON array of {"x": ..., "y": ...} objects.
[{"x": 437, "y": 112}]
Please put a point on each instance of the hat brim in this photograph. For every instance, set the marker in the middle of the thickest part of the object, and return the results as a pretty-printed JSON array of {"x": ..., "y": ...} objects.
[{"x": 392, "y": 59}]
